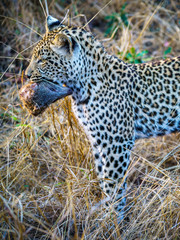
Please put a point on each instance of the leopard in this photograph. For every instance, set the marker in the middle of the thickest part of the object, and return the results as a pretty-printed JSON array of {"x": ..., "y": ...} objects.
[{"x": 116, "y": 102}]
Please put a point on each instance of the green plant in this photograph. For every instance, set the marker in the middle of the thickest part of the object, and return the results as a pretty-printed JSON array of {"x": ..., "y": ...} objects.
[
  {"x": 167, "y": 51},
  {"x": 7, "y": 116},
  {"x": 115, "y": 20},
  {"x": 133, "y": 57}
]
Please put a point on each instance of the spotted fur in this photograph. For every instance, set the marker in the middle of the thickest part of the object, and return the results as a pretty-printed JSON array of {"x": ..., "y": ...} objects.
[{"x": 115, "y": 102}]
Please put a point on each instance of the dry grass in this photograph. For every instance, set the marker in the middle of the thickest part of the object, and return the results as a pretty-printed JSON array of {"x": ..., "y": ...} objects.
[{"x": 48, "y": 187}]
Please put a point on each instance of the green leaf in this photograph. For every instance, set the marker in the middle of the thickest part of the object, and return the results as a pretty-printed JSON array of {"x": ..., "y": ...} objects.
[
  {"x": 167, "y": 51},
  {"x": 124, "y": 6},
  {"x": 15, "y": 119},
  {"x": 142, "y": 53},
  {"x": 137, "y": 61},
  {"x": 133, "y": 51},
  {"x": 22, "y": 125},
  {"x": 108, "y": 17},
  {"x": 124, "y": 19},
  {"x": 59, "y": 183}
]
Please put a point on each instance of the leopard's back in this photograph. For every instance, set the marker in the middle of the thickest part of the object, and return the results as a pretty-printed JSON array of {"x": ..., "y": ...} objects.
[{"x": 156, "y": 97}]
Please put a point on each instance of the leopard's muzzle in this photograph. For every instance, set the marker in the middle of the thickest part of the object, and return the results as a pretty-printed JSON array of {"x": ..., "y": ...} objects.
[{"x": 37, "y": 96}]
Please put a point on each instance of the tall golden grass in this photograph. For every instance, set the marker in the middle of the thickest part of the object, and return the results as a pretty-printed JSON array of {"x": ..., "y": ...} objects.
[{"x": 48, "y": 187}]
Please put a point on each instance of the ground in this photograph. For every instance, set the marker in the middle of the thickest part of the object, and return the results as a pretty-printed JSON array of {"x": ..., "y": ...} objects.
[{"x": 49, "y": 189}]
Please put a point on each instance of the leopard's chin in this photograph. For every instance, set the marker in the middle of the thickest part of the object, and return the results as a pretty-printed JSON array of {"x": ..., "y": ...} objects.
[{"x": 37, "y": 96}]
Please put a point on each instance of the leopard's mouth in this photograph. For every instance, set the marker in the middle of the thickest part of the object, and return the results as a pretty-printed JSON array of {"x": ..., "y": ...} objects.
[{"x": 37, "y": 96}]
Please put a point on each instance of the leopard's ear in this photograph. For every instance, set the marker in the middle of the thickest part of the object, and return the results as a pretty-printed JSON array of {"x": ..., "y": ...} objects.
[
  {"x": 52, "y": 23},
  {"x": 64, "y": 45}
]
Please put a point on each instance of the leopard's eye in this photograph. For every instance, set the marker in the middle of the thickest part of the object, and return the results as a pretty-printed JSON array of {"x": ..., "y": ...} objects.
[{"x": 39, "y": 61}]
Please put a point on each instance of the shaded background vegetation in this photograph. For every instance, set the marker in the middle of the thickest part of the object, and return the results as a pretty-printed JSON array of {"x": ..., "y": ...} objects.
[{"x": 48, "y": 187}]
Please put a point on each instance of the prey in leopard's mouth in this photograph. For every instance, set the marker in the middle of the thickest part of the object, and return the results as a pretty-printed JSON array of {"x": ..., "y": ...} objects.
[{"x": 37, "y": 96}]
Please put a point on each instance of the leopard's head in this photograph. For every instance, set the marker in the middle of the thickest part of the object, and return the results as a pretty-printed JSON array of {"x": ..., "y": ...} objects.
[{"x": 59, "y": 67}]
